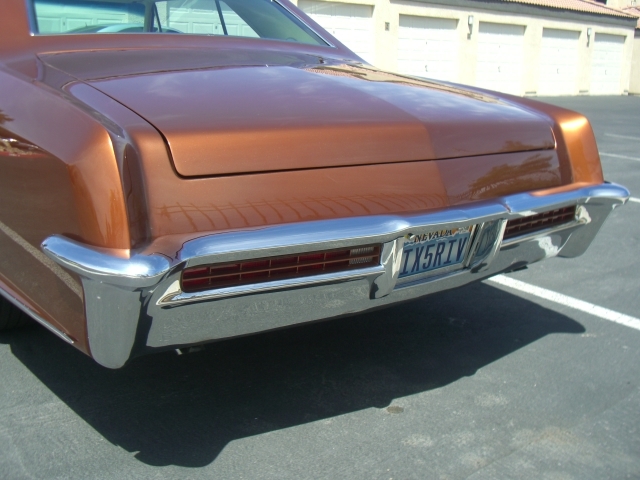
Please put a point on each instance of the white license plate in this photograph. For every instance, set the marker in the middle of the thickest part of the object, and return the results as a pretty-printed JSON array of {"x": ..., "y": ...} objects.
[{"x": 435, "y": 250}]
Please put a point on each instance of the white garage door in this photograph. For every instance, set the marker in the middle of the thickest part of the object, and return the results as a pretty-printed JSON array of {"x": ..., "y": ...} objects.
[
  {"x": 428, "y": 47},
  {"x": 558, "y": 62},
  {"x": 500, "y": 57},
  {"x": 606, "y": 64},
  {"x": 351, "y": 24}
]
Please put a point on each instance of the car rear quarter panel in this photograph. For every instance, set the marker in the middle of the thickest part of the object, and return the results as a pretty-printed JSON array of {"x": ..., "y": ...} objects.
[
  {"x": 35, "y": 199},
  {"x": 575, "y": 141},
  {"x": 65, "y": 180}
]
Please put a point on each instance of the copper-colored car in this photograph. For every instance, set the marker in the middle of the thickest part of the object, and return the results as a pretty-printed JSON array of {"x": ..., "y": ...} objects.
[{"x": 242, "y": 170}]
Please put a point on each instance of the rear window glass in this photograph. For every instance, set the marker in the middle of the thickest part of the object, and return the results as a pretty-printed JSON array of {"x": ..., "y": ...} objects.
[{"x": 241, "y": 18}]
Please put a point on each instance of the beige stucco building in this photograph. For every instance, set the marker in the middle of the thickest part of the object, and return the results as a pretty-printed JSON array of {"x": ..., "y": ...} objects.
[
  {"x": 523, "y": 47},
  {"x": 634, "y": 82}
]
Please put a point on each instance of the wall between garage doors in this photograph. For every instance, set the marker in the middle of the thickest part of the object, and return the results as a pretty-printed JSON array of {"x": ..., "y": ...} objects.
[
  {"x": 523, "y": 51},
  {"x": 634, "y": 84}
]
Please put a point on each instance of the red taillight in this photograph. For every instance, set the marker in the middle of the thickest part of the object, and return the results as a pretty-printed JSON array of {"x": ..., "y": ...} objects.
[
  {"x": 522, "y": 226},
  {"x": 206, "y": 277}
]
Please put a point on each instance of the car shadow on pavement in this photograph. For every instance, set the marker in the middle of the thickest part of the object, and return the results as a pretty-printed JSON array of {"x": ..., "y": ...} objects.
[{"x": 183, "y": 410}]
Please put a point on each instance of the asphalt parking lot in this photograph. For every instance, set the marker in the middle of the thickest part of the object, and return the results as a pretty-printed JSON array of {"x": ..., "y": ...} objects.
[{"x": 487, "y": 381}]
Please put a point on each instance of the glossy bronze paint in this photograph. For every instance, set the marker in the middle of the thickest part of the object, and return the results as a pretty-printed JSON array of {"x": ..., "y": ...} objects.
[
  {"x": 575, "y": 141},
  {"x": 493, "y": 176},
  {"x": 271, "y": 113},
  {"x": 51, "y": 122},
  {"x": 98, "y": 172},
  {"x": 35, "y": 199},
  {"x": 180, "y": 209}
]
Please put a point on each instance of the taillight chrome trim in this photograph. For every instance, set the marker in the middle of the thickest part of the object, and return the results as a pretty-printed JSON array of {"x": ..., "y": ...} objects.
[
  {"x": 580, "y": 217},
  {"x": 381, "y": 278},
  {"x": 175, "y": 296},
  {"x": 215, "y": 276},
  {"x": 531, "y": 224}
]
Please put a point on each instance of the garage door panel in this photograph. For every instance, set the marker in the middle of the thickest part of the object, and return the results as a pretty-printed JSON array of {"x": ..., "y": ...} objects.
[
  {"x": 351, "y": 24},
  {"x": 559, "y": 34},
  {"x": 428, "y": 47},
  {"x": 558, "y": 62},
  {"x": 499, "y": 65},
  {"x": 606, "y": 64},
  {"x": 501, "y": 29},
  {"x": 431, "y": 23}
]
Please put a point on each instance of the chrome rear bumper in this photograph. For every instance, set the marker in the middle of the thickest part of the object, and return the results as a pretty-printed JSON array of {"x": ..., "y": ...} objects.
[{"x": 135, "y": 305}]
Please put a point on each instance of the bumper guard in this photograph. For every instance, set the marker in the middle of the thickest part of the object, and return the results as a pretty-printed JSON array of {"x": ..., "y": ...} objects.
[{"x": 135, "y": 305}]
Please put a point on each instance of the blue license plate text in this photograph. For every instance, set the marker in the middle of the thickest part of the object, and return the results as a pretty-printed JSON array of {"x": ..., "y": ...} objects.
[{"x": 434, "y": 250}]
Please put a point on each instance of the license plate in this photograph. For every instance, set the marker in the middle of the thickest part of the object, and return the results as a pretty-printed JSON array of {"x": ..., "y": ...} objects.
[{"x": 435, "y": 250}]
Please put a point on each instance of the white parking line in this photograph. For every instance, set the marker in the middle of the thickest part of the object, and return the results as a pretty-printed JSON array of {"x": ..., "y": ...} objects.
[
  {"x": 628, "y": 137},
  {"x": 561, "y": 299},
  {"x": 632, "y": 199},
  {"x": 603, "y": 154}
]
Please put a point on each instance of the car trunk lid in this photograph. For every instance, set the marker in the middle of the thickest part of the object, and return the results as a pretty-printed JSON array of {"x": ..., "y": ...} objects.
[{"x": 291, "y": 113}]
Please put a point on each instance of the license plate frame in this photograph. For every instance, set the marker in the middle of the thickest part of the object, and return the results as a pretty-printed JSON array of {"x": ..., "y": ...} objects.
[{"x": 435, "y": 252}]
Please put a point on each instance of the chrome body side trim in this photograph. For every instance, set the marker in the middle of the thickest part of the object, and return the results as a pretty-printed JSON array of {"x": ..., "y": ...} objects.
[
  {"x": 32, "y": 18},
  {"x": 18, "y": 304},
  {"x": 135, "y": 305}
]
